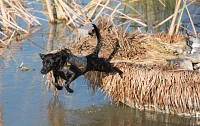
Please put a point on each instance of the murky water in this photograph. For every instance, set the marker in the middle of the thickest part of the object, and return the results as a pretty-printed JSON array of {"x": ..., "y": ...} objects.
[{"x": 24, "y": 99}]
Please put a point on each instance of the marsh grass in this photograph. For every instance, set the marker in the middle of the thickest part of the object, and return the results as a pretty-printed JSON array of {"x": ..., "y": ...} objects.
[
  {"x": 128, "y": 12},
  {"x": 76, "y": 14},
  {"x": 11, "y": 12},
  {"x": 150, "y": 82}
]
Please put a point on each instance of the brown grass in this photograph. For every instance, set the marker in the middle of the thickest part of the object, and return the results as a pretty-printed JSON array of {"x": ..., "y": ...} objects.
[
  {"x": 11, "y": 11},
  {"x": 156, "y": 88}
]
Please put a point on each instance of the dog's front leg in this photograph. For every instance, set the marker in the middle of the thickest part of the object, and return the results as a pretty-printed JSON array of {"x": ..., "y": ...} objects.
[
  {"x": 56, "y": 81},
  {"x": 70, "y": 79}
]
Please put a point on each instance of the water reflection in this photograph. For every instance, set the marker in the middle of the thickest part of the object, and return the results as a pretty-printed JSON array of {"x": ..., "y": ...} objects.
[
  {"x": 112, "y": 115},
  {"x": 58, "y": 35},
  {"x": 1, "y": 115},
  {"x": 56, "y": 112}
]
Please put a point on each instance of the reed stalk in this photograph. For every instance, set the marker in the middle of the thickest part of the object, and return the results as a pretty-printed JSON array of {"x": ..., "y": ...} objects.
[
  {"x": 106, "y": 4},
  {"x": 180, "y": 17},
  {"x": 50, "y": 11},
  {"x": 171, "y": 30},
  {"x": 119, "y": 12},
  {"x": 167, "y": 19},
  {"x": 162, "y": 3}
]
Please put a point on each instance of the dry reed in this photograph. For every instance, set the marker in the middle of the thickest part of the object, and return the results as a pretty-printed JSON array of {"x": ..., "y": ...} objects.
[
  {"x": 11, "y": 11},
  {"x": 174, "y": 17},
  {"x": 76, "y": 15}
]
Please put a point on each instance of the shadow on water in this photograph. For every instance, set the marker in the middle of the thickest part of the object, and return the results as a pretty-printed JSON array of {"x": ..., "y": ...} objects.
[
  {"x": 24, "y": 99},
  {"x": 109, "y": 115}
]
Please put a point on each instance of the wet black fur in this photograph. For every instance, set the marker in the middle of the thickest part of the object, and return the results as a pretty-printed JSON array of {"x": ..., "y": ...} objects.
[{"x": 57, "y": 61}]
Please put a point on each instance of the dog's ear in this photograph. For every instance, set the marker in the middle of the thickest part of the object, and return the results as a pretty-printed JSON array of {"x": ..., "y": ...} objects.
[
  {"x": 42, "y": 56},
  {"x": 61, "y": 53}
]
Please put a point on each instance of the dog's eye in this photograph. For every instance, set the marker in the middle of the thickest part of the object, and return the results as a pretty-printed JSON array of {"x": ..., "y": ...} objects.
[{"x": 48, "y": 63}]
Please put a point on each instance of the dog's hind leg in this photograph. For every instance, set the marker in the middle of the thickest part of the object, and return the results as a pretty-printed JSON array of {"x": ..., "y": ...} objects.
[
  {"x": 56, "y": 82},
  {"x": 119, "y": 71}
]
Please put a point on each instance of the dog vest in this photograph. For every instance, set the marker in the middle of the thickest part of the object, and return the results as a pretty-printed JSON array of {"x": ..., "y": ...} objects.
[{"x": 79, "y": 61}]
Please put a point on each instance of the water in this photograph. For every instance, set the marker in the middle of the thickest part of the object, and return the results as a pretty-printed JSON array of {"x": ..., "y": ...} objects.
[{"x": 24, "y": 99}]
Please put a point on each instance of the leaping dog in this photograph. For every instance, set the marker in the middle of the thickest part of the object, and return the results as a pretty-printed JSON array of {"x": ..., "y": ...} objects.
[{"x": 79, "y": 64}]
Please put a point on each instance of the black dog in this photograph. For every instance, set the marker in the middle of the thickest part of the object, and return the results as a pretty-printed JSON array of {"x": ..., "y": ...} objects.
[{"x": 79, "y": 64}]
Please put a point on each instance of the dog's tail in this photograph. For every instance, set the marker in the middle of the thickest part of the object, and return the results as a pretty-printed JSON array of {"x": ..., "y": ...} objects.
[{"x": 99, "y": 42}]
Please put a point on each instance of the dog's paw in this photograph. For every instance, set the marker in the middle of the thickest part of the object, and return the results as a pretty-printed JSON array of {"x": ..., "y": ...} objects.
[
  {"x": 58, "y": 87},
  {"x": 69, "y": 90}
]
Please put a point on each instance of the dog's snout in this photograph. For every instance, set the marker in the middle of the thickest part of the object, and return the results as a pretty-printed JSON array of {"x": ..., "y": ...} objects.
[{"x": 42, "y": 71}]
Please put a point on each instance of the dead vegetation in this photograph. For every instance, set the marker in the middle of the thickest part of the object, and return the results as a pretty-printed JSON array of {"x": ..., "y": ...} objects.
[
  {"x": 76, "y": 14},
  {"x": 135, "y": 48},
  {"x": 11, "y": 13}
]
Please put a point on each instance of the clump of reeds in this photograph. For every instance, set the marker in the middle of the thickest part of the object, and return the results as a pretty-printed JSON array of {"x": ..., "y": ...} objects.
[
  {"x": 135, "y": 47},
  {"x": 11, "y": 13},
  {"x": 149, "y": 81},
  {"x": 69, "y": 11},
  {"x": 76, "y": 14},
  {"x": 156, "y": 88},
  {"x": 162, "y": 88}
]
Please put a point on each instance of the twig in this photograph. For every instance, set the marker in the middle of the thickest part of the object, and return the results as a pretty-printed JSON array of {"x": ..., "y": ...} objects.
[
  {"x": 170, "y": 17},
  {"x": 126, "y": 29},
  {"x": 101, "y": 9},
  {"x": 191, "y": 20},
  {"x": 3, "y": 43},
  {"x": 66, "y": 9},
  {"x": 90, "y": 16},
  {"x": 10, "y": 37},
  {"x": 12, "y": 24},
  {"x": 162, "y": 3},
  {"x": 115, "y": 9},
  {"x": 131, "y": 7}
]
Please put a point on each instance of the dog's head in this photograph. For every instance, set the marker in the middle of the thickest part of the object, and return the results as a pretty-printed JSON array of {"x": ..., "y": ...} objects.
[
  {"x": 52, "y": 61},
  {"x": 48, "y": 62}
]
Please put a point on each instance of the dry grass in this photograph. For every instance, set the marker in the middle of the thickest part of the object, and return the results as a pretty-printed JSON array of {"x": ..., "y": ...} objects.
[
  {"x": 156, "y": 88},
  {"x": 135, "y": 47},
  {"x": 11, "y": 11},
  {"x": 76, "y": 14}
]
